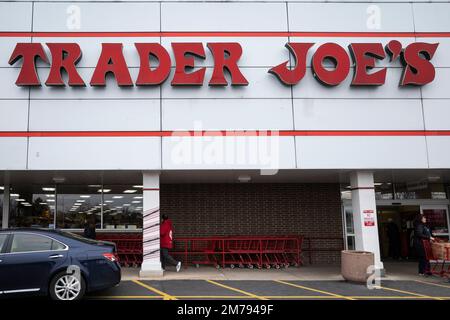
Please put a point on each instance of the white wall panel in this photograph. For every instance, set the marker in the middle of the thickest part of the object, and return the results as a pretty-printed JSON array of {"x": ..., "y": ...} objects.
[
  {"x": 439, "y": 151},
  {"x": 230, "y": 114},
  {"x": 108, "y": 16},
  {"x": 431, "y": 17},
  {"x": 92, "y": 47},
  {"x": 8, "y": 88},
  {"x": 7, "y": 46},
  {"x": 15, "y": 16},
  {"x": 228, "y": 152},
  {"x": 110, "y": 91},
  {"x": 357, "y": 114},
  {"x": 14, "y": 154},
  {"x": 436, "y": 114},
  {"x": 350, "y": 17},
  {"x": 93, "y": 115},
  {"x": 206, "y": 16},
  {"x": 361, "y": 152},
  {"x": 439, "y": 87},
  {"x": 261, "y": 85},
  {"x": 256, "y": 51},
  {"x": 89, "y": 153},
  {"x": 13, "y": 115},
  {"x": 311, "y": 88}
]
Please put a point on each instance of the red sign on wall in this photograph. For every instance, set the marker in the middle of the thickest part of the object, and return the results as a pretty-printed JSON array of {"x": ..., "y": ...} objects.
[
  {"x": 415, "y": 57},
  {"x": 369, "y": 218}
]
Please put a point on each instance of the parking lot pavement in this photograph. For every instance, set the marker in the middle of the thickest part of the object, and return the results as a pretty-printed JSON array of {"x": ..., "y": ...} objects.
[{"x": 274, "y": 290}]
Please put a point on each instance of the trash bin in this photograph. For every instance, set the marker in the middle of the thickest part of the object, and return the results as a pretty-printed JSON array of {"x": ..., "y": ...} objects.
[{"x": 354, "y": 265}]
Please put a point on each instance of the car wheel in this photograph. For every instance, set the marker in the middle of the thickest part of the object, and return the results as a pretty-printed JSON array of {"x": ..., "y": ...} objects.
[{"x": 67, "y": 287}]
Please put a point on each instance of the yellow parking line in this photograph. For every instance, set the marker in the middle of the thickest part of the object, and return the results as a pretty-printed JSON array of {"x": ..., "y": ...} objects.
[
  {"x": 163, "y": 294},
  {"x": 314, "y": 290},
  {"x": 236, "y": 290},
  {"x": 126, "y": 297},
  {"x": 214, "y": 297},
  {"x": 433, "y": 284},
  {"x": 409, "y": 293}
]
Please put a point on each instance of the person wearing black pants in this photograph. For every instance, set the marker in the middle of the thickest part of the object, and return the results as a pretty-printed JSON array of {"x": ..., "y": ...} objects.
[{"x": 422, "y": 232}]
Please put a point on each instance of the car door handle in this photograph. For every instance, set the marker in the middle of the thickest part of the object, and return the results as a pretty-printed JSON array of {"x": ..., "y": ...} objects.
[{"x": 55, "y": 256}]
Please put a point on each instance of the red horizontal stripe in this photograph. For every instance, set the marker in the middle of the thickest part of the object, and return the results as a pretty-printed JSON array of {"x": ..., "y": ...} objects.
[
  {"x": 284, "y": 133},
  {"x": 227, "y": 34}
]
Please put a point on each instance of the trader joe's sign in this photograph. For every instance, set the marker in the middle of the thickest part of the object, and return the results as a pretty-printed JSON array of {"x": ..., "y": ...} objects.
[{"x": 415, "y": 57}]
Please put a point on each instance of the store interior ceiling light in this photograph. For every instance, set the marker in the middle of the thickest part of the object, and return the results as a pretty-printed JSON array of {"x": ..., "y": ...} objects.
[
  {"x": 48, "y": 189},
  {"x": 50, "y": 195},
  {"x": 14, "y": 195},
  {"x": 138, "y": 197},
  {"x": 135, "y": 202},
  {"x": 126, "y": 204},
  {"x": 140, "y": 187},
  {"x": 117, "y": 197},
  {"x": 84, "y": 196},
  {"x": 104, "y": 190},
  {"x": 94, "y": 185},
  {"x": 130, "y": 191},
  {"x": 81, "y": 201},
  {"x": 109, "y": 201},
  {"x": 2, "y": 188},
  {"x": 50, "y": 200},
  {"x": 20, "y": 200}
]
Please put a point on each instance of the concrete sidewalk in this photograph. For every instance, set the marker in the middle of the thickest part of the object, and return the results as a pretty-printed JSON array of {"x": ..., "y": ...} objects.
[{"x": 394, "y": 271}]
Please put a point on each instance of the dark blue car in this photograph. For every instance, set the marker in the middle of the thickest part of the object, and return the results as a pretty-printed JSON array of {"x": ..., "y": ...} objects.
[{"x": 56, "y": 263}]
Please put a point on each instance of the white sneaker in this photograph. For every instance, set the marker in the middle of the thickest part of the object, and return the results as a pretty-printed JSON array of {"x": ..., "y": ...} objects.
[{"x": 179, "y": 266}]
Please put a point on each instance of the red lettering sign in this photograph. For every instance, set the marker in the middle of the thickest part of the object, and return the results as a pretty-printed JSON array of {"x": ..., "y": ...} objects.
[{"x": 416, "y": 57}]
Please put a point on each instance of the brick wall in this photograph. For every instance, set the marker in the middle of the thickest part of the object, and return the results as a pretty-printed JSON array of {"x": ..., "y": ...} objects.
[{"x": 257, "y": 209}]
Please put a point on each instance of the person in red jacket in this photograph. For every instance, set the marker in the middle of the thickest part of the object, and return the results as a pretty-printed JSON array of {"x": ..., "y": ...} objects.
[{"x": 166, "y": 243}]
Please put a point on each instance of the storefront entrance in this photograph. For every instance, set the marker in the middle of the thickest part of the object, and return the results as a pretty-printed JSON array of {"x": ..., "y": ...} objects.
[{"x": 396, "y": 227}]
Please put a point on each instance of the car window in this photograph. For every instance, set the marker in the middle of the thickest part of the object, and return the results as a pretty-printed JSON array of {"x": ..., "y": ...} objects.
[
  {"x": 3, "y": 238},
  {"x": 30, "y": 242},
  {"x": 57, "y": 245}
]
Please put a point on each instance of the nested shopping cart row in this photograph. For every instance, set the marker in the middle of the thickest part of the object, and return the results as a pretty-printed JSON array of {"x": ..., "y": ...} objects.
[{"x": 241, "y": 251}]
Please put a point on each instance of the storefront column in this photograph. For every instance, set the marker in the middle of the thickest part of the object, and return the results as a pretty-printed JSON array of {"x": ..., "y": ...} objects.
[
  {"x": 365, "y": 214},
  {"x": 6, "y": 194},
  {"x": 151, "y": 264}
]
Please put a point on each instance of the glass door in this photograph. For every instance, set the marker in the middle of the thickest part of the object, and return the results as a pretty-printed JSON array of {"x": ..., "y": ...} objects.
[
  {"x": 437, "y": 219},
  {"x": 349, "y": 230}
]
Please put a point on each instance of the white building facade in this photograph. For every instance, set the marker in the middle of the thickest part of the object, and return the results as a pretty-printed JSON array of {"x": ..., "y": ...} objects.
[{"x": 385, "y": 147}]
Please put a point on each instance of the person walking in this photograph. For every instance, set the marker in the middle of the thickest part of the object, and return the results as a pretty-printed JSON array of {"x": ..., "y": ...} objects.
[
  {"x": 166, "y": 236},
  {"x": 422, "y": 232},
  {"x": 393, "y": 234},
  {"x": 89, "y": 229}
]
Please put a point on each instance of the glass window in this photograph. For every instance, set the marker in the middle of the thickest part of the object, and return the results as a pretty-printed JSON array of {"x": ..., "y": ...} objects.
[
  {"x": 57, "y": 245},
  {"x": 437, "y": 220},
  {"x": 30, "y": 242},
  {"x": 1, "y": 207},
  {"x": 384, "y": 191},
  {"x": 32, "y": 206},
  {"x": 2, "y": 241},
  {"x": 420, "y": 190},
  {"x": 122, "y": 207},
  {"x": 77, "y": 205}
]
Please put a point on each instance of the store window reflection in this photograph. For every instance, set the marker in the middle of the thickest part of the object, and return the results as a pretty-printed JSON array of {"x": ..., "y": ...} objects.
[
  {"x": 78, "y": 204},
  {"x": 32, "y": 206},
  {"x": 122, "y": 207}
]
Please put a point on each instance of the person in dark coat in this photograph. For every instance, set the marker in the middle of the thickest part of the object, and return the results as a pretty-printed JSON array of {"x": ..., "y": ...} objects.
[
  {"x": 422, "y": 232},
  {"x": 394, "y": 239},
  {"x": 166, "y": 243},
  {"x": 89, "y": 230}
]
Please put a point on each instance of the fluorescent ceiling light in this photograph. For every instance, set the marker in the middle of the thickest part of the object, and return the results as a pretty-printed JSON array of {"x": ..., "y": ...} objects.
[
  {"x": 104, "y": 190},
  {"x": 14, "y": 195},
  {"x": 126, "y": 204},
  {"x": 43, "y": 203},
  {"x": 20, "y": 200},
  {"x": 81, "y": 201},
  {"x": 130, "y": 191},
  {"x": 50, "y": 195},
  {"x": 50, "y": 200},
  {"x": 48, "y": 189},
  {"x": 109, "y": 201},
  {"x": 135, "y": 202},
  {"x": 140, "y": 187},
  {"x": 117, "y": 197},
  {"x": 2, "y": 188},
  {"x": 85, "y": 196},
  {"x": 138, "y": 197}
]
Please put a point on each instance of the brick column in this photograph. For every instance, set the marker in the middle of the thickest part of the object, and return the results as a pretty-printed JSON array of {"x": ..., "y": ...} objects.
[
  {"x": 365, "y": 214},
  {"x": 151, "y": 264}
]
